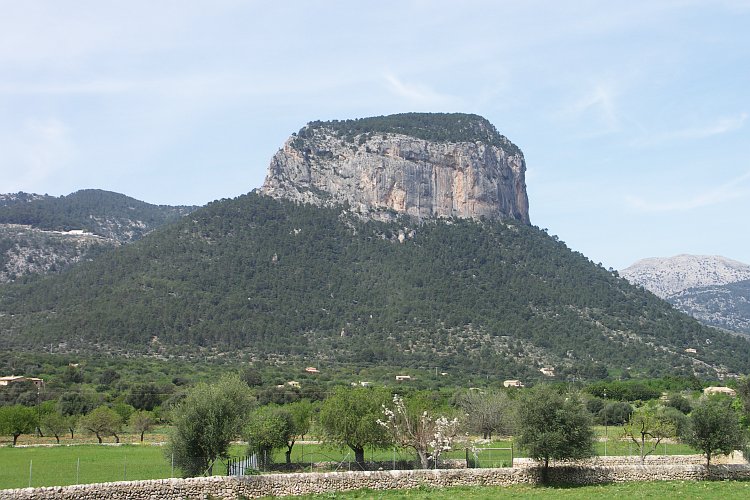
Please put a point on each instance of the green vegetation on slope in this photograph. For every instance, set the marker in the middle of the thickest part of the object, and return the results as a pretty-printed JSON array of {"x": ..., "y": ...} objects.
[
  {"x": 273, "y": 279},
  {"x": 437, "y": 127},
  {"x": 93, "y": 210}
]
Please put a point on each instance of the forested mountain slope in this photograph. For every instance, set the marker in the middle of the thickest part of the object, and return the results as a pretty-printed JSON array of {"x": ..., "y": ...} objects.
[
  {"x": 42, "y": 234},
  {"x": 103, "y": 213},
  {"x": 285, "y": 281}
]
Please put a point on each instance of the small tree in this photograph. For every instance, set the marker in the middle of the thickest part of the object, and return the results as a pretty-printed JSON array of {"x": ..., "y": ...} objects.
[
  {"x": 268, "y": 428},
  {"x": 486, "y": 412},
  {"x": 72, "y": 423},
  {"x": 205, "y": 422},
  {"x": 647, "y": 427},
  {"x": 301, "y": 416},
  {"x": 714, "y": 427},
  {"x": 349, "y": 418},
  {"x": 552, "y": 425},
  {"x": 103, "y": 421},
  {"x": 141, "y": 422},
  {"x": 427, "y": 435},
  {"x": 16, "y": 420},
  {"x": 55, "y": 424}
]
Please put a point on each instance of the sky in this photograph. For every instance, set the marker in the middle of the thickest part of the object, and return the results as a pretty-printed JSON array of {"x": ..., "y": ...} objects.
[{"x": 633, "y": 116}]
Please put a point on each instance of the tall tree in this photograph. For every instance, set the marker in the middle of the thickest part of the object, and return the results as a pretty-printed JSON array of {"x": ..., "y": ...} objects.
[
  {"x": 552, "y": 425},
  {"x": 715, "y": 428},
  {"x": 349, "y": 418},
  {"x": 205, "y": 422}
]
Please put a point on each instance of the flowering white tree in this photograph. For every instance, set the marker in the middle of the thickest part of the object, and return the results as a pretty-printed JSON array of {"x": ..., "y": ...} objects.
[{"x": 427, "y": 435}]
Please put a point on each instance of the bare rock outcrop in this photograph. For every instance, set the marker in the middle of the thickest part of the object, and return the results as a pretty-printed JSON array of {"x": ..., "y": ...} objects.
[{"x": 422, "y": 165}]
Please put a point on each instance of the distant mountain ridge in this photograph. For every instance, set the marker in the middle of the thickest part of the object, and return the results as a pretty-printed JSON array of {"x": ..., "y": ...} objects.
[
  {"x": 42, "y": 234},
  {"x": 712, "y": 289},
  {"x": 667, "y": 276}
]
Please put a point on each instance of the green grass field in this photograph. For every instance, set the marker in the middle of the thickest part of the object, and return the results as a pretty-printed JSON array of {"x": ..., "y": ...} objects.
[{"x": 64, "y": 465}]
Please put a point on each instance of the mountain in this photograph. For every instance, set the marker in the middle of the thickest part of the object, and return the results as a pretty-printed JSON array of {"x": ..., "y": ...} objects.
[
  {"x": 712, "y": 289},
  {"x": 41, "y": 234},
  {"x": 425, "y": 165},
  {"x": 329, "y": 284}
]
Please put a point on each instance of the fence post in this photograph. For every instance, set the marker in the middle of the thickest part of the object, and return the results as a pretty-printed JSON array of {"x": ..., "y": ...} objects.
[
  {"x": 125, "y": 468},
  {"x": 172, "y": 474},
  {"x": 30, "y": 464},
  {"x": 78, "y": 470},
  {"x": 511, "y": 455}
]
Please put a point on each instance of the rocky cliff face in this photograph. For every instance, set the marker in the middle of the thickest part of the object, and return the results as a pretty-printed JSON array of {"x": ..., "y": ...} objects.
[{"x": 388, "y": 167}]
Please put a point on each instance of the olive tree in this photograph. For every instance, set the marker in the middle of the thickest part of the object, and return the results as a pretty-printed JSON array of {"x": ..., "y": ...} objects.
[
  {"x": 714, "y": 427},
  {"x": 552, "y": 425},
  {"x": 349, "y": 418},
  {"x": 205, "y": 423}
]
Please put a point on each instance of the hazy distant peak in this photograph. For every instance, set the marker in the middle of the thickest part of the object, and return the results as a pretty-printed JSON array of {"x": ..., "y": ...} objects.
[{"x": 667, "y": 276}]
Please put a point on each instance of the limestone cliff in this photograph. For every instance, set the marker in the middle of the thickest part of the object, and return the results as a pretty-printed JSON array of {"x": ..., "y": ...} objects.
[{"x": 423, "y": 165}]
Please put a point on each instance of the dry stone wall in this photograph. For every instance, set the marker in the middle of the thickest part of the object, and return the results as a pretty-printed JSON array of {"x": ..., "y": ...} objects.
[{"x": 312, "y": 483}]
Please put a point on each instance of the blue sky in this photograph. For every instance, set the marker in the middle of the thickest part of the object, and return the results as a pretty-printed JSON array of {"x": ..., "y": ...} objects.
[{"x": 632, "y": 115}]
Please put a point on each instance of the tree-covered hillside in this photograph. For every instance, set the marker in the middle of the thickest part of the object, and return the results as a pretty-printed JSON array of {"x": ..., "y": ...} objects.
[
  {"x": 103, "y": 213},
  {"x": 285, "y": 281}
]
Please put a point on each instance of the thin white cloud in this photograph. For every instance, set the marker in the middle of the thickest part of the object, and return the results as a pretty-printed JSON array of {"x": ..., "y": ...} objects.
[
  {"x": 732, "y": 190},
  {"x": 719, "y": 126},
  {"x": 417, "y": 94},
  {"x": 598, "y": 102}
]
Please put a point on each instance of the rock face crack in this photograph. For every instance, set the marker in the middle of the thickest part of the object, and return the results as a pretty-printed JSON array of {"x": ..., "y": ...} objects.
[{"x": 378, "y": 174}]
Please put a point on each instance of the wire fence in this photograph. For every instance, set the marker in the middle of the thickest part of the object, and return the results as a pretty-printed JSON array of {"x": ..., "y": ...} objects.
[
  {"x": 61, "y": 466},
  {"x": 66, "y": 465}
]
